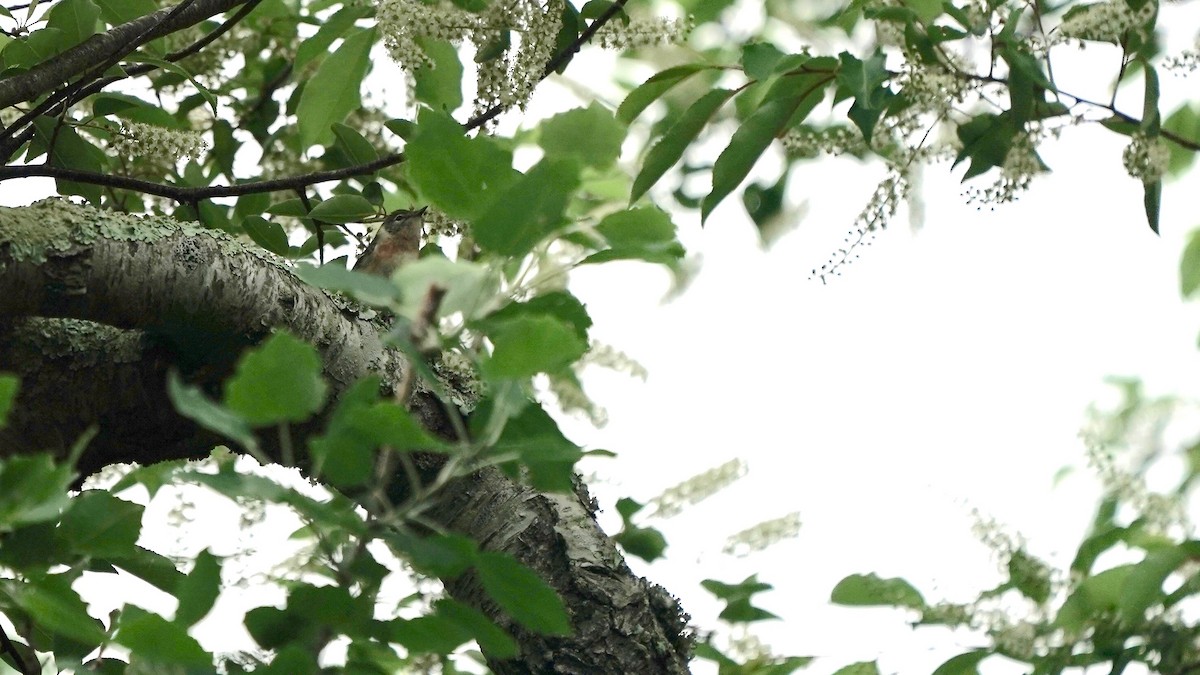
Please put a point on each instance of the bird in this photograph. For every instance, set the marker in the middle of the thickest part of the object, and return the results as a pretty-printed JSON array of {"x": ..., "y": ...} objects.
[{"x": 396, "y": 242}]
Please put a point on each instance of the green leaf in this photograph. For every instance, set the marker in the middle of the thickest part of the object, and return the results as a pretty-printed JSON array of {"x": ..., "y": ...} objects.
[
  {"x": 1189, "y": 266},
  {"x": 331, "y": 29},
  {"x": 650, "y": 90},
  {"x": 342, "y": 209},
  {"x": 471, "y": 288},
  {"x": 759, "y": 59},
  {"x": 1143, "y": 587},
  {"x": 266, "y": 234},
  {"x": 670, "y": 147},
  {"x": 491, "y": 638},
  {"x": 1184, "y": 123},
  {"x": 367, "y": 288},
  {"x": 963, "y": 664},
  {"x": 864, "y": 81},
  {"x": 543, "y": 195},
  {"x": 198, "y": 591},
  {"x": 192, "y": 403},
  {"x": 346, "y": 453},
  {"x": 571, "y": 25},
  {"x": 432, "y": 633},
  {"x": 9, "y": 384},
  {"x": 558, "y": 304},
  {"x": 737, "y": 597},
  {"x": 800, "y": 95},
  {"x": 522, "y": 594},
  {"x": 439, "y": 85},
  {"x": 1152, "y": 200},
  {"x": 589, "y": 135},
  {"x": 152, "y": 637},
  {"x": 289, "y": 207},
  {"x": 440, "y": 555},
  {"x": 358, "y": 149},
  {"x": 279, "y": 381},
  {"x": 927, "y": 10},
  {"x": 1151, "y": 119},
  {"x": 174, "y": 67},
  {"x": 533, "y": 437},
  {"x": 333, "y": 90},
  {"x": 1095, "y": 595},
  {"x": 460, "y": 176},
  {"x": 526, "y": 346},
  {"x": 871, "y": 590},
  {"x": 117, "y": 12},
  {"x": 53, "y": 604},
  {"x": 32, "y": 490},
  {"x": 860, "y": 668},
  {"x": 150, "y": 567},
  {"x": 99, "y": 524},
  {"x": 645, "y": 233},
  {"x": 986, "y": 140},
  {"x": 75, "y": 18},
  {"x": 646, "y": 543},
  {"x": 72, "y": 151}
]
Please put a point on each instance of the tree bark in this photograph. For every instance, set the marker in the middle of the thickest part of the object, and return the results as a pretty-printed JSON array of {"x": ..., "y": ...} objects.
[{"x": 96, "y": 308}]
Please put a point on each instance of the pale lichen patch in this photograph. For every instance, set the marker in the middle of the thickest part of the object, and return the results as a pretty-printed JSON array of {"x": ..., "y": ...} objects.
[{"x": 56, "y": 225}]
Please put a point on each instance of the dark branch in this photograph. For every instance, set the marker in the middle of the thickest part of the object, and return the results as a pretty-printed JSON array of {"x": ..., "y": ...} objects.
[
  {"x": 103, "y": 47},
  {"x": 58, "y": 101},
  {"x": 191, "y": 194}
]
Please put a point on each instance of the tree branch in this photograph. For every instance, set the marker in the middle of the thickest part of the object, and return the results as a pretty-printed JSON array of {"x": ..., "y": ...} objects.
[
  {"x": 191, "y": 194},
  {"x": 103, "y": 47}
]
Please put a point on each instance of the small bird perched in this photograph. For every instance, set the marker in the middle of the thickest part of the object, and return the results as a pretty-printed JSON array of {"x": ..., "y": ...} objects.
[{"x": 396, "y": 242}]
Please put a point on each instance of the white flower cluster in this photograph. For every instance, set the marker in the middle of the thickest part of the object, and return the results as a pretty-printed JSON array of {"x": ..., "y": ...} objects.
[
  {"x": 607, "y": 356},
  {"x": 1146, "y": 158},
  {"x": 503, "y": 78},
  {"x": 697, "y": 488},
  {"x": 402, "y": 21},
  {"x": 1162, "y": 513},
  {"x": 1106, "y": 21},
  {"x": 808, "y": 142},
  {"x": 642, "y": 33},
  {"x": 932, "y": 89},
  {"x": 883, "y": 202},
  {"x": 147, "y": 141},
  {"x": 1015, "y": 638},
  {"x": 509, "y": 72},
  {"x": 573, "y": 399},
  {"x": 763, "y": 535}
]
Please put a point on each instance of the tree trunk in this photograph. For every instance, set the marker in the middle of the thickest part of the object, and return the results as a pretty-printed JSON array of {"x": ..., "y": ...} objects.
[{"x": 96, "y": 308}]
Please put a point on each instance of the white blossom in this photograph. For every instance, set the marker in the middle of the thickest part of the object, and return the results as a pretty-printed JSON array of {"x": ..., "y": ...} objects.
[
  {"x": 1146, "y": 158},
  {"x": 1106, "y": 21},
  {"x": 146, "y": 141},
  {"x": 698, "y": 488}
]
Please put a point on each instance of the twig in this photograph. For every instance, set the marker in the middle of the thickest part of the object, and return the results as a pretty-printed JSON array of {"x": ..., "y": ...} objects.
[{"x": 7, "y": 647}]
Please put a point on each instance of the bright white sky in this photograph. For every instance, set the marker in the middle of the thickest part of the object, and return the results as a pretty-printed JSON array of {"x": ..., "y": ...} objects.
[{"x": 945, "y": 371}]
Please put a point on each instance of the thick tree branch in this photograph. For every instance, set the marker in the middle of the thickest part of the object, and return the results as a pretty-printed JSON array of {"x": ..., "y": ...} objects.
[
  {"x": 103, "y": 47},
  {"x": 153, "y": 283}
]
